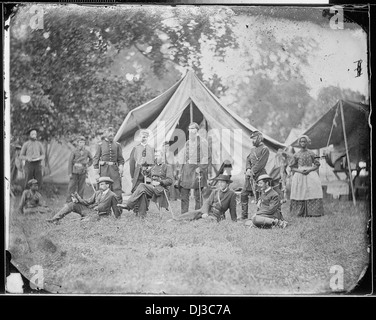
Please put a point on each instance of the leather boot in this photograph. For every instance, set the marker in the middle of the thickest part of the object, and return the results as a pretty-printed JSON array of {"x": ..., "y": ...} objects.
[{"x": 244, "y": 211}]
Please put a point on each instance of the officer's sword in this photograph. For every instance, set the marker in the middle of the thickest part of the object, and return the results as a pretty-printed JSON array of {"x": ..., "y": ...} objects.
[
  {"x": 169, "y": 204},
  {"x": 252, "y": 182},
  {"x": 199, "y": 187},
  {"x": 91, "y": 182}
]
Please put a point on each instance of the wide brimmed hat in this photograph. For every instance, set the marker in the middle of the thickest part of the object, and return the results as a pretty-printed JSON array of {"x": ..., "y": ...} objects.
[
  {"x": 32, "y": 181},
  {"x": 32, "y": 129},
  {"x": 264, "y": 177},
  {"x": 105, "y": 179},
  {"x": 223, "y": 177}
]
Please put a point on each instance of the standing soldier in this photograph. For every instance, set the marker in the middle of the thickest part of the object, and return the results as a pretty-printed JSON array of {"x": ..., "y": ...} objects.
[
  {"x": 79, "y": 160},
  {"x": 109, "y": 162},
  {"x": 255, "y": 166},
  {"x": 141, "y": 158},
  {"x": 193, "y": 173},
  {"x": 33, "y": 153}
]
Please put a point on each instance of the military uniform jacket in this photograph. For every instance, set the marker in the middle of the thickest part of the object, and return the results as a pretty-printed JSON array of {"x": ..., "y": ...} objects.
[
  {"x": 190, "y": 158},
  {"x": 256, "y": 161},
  {"x": 109, "y": 152},
  {"x": 164, "y": 172},
  {"x": 79, "y": 161},
  {"x": 219, "y": 202},
  {"x": 104, "y": 202},
  {"x": 139, "y": 155},
  {"x": 270, "y": 205}
]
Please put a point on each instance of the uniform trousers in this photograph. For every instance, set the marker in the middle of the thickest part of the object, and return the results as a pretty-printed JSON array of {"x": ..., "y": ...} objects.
[
  {"x": 184, "y": 197},
  {"x": 76, "y": 183},
  {"x": 140, "y": 198}
]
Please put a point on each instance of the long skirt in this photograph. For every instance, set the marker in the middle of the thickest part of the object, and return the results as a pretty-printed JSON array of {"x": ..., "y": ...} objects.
[{"x": 306, "y": 195}]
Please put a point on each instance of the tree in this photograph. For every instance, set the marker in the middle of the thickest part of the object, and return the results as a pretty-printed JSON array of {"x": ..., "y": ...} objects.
[
  {"x": 272, "y": 93},
  {"x": 65, "y": 67},
  {"x": 326, "y": 99}
]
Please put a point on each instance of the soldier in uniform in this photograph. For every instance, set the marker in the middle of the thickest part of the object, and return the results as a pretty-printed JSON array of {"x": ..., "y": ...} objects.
[
  {"x": 109, "y": 162},
  {"x": 79, "y": 160},
  {"x": 215, "y": 207},
  {"x": 100, "y": 203},
  {"x": 255, "y": 166},
  {"x": 268, "y": 213},
  {"x": 140, "y": 160},
  {"x": 194, "y": 159},
  {"x": 161, "y": 178}
]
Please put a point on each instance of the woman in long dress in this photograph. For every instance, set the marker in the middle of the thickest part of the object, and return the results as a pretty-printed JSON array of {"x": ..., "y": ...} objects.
[{"x": 306, "y": 190}]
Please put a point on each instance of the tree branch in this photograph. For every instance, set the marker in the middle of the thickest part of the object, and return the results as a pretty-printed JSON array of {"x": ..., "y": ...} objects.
[{"x": 143, "y": 53}]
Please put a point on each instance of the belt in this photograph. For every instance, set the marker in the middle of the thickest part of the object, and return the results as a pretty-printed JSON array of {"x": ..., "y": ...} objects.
[{"x": 110, "y": 163}]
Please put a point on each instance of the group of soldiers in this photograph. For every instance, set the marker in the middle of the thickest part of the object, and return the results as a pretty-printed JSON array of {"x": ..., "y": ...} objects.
[{"x": 153, "y": 176}]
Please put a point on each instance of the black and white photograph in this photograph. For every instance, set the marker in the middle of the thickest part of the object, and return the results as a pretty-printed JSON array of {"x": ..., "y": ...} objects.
[{"x": 202, "y": 150}]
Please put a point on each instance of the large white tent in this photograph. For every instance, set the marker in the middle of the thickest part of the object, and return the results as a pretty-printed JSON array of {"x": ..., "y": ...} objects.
[{"x": 167, "y": 118}]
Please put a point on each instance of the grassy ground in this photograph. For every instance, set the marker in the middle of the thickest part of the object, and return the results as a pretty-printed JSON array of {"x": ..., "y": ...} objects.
[{"x": 199, "y": 257}]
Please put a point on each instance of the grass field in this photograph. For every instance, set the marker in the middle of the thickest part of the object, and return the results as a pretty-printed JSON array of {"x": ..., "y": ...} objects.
[{"x": 153, "y": 256}]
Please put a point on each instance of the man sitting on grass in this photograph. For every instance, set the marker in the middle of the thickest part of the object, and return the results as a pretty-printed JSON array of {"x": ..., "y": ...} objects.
[
  {"x": 101, "y": 202},
  {"x": 215, "y": 207},
  {"x": 31, "y": 200},
  {"x": 268, "y": 213}
]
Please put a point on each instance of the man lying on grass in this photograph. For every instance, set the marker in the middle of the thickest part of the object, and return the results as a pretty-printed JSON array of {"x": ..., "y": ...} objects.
[
  {"x": 215, "y": 207},
  {"x": 100, "y": 203},
  {"x": 31, "y": 200},
  {"x": 268, "y": 213}
]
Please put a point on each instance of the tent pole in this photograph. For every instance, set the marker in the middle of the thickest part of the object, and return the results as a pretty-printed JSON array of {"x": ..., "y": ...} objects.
[
  {"x": 347, "y": 153},
  {"x": 191, "y": 111}
]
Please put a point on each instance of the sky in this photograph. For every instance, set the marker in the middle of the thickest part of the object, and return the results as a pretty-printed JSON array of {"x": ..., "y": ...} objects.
[{"x": 332, "y": 64}]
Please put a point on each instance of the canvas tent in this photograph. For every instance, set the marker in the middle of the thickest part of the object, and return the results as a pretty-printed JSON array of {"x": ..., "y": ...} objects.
[
  {"x": 344, "y": 132},
  {"x": 58, "y": 153},
  {"x": 167, "y": 118}
]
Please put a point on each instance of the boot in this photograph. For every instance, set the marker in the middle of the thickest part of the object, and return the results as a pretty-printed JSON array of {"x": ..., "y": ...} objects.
[{"x": 244, "y": 211}]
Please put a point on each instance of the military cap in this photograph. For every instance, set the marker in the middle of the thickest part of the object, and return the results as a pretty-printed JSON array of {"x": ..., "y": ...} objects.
[
  {"x": 223, "y": 177},
  {"x": 31, "y": 182},
  {"x": 144, "y": 132},
  {"x": 264, "y": 177},
  {"x": 255, "y": 134},
  {"x": 105, "y": 179},
  {"x": 81, "y": 138},
  {"x": 195, "y": 125}
]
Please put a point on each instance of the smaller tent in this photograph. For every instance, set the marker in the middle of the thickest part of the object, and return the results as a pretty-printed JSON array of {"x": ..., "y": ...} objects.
[{"x": 344, "y": 132}]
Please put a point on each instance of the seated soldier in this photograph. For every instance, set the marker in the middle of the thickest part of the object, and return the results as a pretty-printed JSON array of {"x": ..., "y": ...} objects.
[
  {"x": 100, "y": 203},
  {"x": 268, "y": 213},
  {"x": 31, "y": 200},
  {"x": 215, "y": 207},
  {"x": 161, "y": 179}
]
